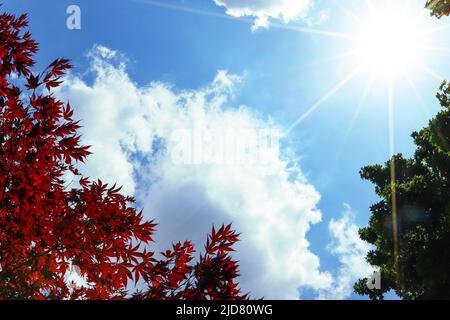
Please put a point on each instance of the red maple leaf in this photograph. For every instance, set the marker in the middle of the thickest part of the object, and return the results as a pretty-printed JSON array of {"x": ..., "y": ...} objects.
[{"x": 45, "y": 227}]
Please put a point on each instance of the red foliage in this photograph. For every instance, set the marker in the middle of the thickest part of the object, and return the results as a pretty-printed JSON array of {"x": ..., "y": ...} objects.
[
  {"x": 212, "y": 277},
  {"x": 46, "y": 229}
]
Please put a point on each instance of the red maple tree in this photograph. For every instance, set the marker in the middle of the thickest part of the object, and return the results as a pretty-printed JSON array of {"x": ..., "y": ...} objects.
[{"x": 47, "y": 230}]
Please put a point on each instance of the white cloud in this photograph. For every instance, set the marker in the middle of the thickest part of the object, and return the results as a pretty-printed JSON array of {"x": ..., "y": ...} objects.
[
  {"x": 140, "y": 136},
  {"x": 351, "y": 250},
  {"x": 271, "y": 204},
  {"x": 263, "y": 10}
]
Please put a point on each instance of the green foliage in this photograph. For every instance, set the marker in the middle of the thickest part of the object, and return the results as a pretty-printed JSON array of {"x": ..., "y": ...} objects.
[
  {"x": 422, "y": 189},
  {"x": 439, "y": 8}
]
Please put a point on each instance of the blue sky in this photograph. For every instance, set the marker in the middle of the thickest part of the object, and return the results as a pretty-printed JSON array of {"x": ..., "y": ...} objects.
[{"x": 283, "y": 71}]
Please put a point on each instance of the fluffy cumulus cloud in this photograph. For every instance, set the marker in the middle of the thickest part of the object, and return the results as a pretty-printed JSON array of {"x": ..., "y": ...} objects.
[
  {"x": 351, "y": 250},
  {"x": 263, "y": 10},
  {"x": 193, "y": 160}
]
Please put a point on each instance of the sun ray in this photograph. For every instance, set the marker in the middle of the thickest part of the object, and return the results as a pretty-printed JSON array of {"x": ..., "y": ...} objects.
[
  {"x": 347, "y": 11},
  {"x": 437, "y": 29},
  {"x": 334, "y": 58},
  {"x": 391, "y": 117},
  {"x": 342, "y": 35},
  {"x": 275, "y": 25},
  {"x": 323, "y": 99},
  {"x": 362, "y": 100},
  {"x": 358, "y": 109},
  {"x": 186, "y": 9},
  {"x": 391, "y": 129},
  {"x": 429, "y": 70},
  {"x": 417, "y": 94}
]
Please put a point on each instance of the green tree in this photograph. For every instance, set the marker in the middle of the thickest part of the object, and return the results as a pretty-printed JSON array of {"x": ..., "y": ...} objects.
[
  {"x": 410, "y": 226},
  {"x": 439, "y": 8}
]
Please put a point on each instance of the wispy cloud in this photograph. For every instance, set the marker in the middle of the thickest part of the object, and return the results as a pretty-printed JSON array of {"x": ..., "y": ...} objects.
[
  {"x": 351, "y": 251},
  {"x": 264, "y": 10}
]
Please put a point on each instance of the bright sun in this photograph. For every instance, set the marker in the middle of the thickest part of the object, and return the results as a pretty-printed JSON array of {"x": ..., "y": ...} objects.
[{"x": 390, "y": 40}]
